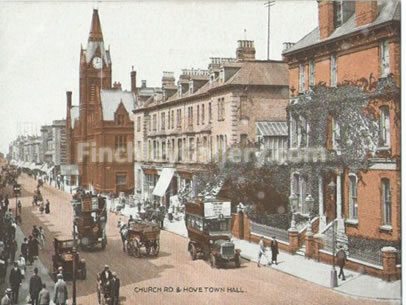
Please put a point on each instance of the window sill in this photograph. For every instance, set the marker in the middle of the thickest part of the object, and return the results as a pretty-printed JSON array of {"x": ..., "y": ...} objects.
[
  {"x": 386, "y": 228},
  {"x": 352, "y": 222},
  {"x": 381, "y": 148}
]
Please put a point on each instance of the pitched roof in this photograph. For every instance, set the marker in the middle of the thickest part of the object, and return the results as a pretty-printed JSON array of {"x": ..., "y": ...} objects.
[
  {"x": 261, "y": 73},
  {"x": 95, "y": 27},
  {"x": 388, "y": 10},
  {"x": 272, "y": 128},
  {"x": 111, "y": 99}
]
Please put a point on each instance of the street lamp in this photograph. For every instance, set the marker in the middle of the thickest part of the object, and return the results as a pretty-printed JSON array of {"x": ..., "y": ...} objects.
[
  {"x": 74, "y": 258},
  {"x": 333, "y": 272},
  {"x": 293, "y": 200},
  {"x": 309, "y": 202}
]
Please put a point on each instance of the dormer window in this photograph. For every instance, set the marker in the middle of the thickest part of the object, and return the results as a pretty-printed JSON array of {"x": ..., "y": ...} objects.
[
  {"x": 338, "y": 13},
  {"x": 222, "y": 75},
  {"x": 191, "y": 87}
]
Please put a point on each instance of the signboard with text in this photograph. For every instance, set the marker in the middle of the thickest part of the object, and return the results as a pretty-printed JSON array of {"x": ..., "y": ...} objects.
[{"x": 217, "y": 209}]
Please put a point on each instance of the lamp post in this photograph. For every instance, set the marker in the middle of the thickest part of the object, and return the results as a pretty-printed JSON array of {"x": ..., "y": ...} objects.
[
  {"x": 333, "y": 272},
  {"x": 74, "y": 254}
]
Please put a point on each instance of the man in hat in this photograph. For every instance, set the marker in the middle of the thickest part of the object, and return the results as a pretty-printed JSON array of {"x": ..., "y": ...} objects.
[
  {"x": 60, "y": 291},
  {"x": 341, "y": 259},
  {"x": 44, "y": 297},
  {"x": 6, "y": 300},
  {"x": 60, "y": 271},
  {"x": 35, "y": 286},
  {"x": 105, "y": 275},
  {"x": 115, "y": 289},
  {"x": 15, "y": 282},
  {"x": 274, "y": 250}
]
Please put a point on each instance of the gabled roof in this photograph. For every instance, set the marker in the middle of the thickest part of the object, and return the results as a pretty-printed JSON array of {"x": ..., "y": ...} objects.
[
  {"x": 272, "y": 129},
  {"x": 388, "y": 10},
  {"x": 111, "y": 99}
]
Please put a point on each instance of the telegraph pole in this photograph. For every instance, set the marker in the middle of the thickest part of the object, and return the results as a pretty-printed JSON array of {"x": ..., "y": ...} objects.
[{"x": 268, "y": 4}]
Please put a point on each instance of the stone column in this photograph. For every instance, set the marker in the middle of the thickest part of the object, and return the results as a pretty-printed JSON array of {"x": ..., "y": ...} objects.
[
  {"x": 293, "y": 240},
  {"x": 322, "y": 222},
  {"x": 389, "y": 263},
  {"x": 339, "y": 199}
]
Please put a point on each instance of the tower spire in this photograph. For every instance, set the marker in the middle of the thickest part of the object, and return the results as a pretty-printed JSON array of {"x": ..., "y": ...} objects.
[{"x": 95, "y": 33}]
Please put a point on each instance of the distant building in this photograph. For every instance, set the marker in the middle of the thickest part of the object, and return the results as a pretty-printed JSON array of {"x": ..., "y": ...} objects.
[{"x": 190, "y": 123}]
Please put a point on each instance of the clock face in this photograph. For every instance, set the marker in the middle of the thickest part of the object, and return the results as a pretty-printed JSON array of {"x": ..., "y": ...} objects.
[{"x": 97, "y": 62}]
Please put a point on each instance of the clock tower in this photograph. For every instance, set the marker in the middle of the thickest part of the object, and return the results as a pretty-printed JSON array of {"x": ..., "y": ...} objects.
[{"x": 95, "y": 74}]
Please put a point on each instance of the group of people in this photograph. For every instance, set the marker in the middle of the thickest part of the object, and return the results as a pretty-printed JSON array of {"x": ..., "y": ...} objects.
[
  {"x": 262, "y": 251},
  {"x": 110, "y": 285}
]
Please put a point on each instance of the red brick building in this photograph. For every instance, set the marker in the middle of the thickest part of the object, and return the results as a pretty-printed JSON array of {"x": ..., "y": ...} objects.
[
  {"x": 355, "y": 41},
  {"x": 100, "y": 129}
]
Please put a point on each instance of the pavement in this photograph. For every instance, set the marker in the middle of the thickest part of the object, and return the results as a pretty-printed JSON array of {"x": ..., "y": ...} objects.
[{"x": 356, "y": 284}]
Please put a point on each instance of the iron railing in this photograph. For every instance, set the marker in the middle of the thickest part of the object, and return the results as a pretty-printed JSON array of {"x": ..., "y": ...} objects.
[{"x": 268, "y": 231}]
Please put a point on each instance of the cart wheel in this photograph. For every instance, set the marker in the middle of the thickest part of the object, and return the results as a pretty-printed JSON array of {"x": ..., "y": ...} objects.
[
  {"x": 237, "y": 261},
  {"x": 156, "y": 248},
  {"x": 213, "y": 261},
  {"x": 193, "y": 252}
]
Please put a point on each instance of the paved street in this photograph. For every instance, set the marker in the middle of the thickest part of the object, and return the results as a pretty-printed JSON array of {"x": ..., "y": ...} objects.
[{"x": 173, "y": 268}]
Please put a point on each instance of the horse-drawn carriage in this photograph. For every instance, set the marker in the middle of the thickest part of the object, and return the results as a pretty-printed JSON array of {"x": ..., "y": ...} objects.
[
  {"x": 64, "y": 257},
  {"x": 137, "y": 235},
  {"x": 90, "y": 220}
]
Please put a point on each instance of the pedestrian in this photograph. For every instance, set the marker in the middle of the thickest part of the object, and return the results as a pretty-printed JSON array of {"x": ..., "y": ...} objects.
[
  {"x": 14, "y": 279},
  {"x": 20, "y": 207},
  {"x": 6, "y": 202},
  {"x": 13, "y": 250},
  {"x": 24, "y": 248},
  {"x": 115, "y": 289},
  {"x": 261, "y": 252},
  {"x": 35, "y": 287},
  {"x": 105, "y": 275},
  {"x": 32, "y": 249},
  {"x": 341, "y": 259},
  {"x": 275, "y": 250},
  {"x": 42, "y": 237},
  {"x": 60, "y": 271},
  {"x": 42, "y": 207},
  {"x": 7, "y": 299},
  {"x": 12, "y": 230},
  {"x": 47, "y": 207},
  {"x": 35, "y": 232},
  {"x": 21, "y": 265},
  {"x": 44, "y": 297},
  {"x": 60, "y": 291},
  {"x": 3, "y": 268}
]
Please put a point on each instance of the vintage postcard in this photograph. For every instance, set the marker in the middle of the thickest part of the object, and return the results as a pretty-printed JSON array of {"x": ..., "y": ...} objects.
[{"x": 200, "y": 152}]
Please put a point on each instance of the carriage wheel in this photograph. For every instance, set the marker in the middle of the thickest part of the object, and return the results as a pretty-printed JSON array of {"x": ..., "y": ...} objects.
[
  {"x": 193, "y": 251},
  {"x": 156, "y": 248}
]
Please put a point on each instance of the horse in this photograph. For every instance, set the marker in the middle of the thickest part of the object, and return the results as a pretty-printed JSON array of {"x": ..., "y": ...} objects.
[{"x": 123, "y": 232}]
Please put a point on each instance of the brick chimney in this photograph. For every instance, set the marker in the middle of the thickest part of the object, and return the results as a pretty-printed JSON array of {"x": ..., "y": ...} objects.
[
  {"x": 245, "y": 50},
  {"x": 133, "y": 80},
  {"x": 68, "y": 100},
  {"x": 365, "y": 12},
  {"x": 326, "y": 18},
  {"x": 117, "y": 85}
]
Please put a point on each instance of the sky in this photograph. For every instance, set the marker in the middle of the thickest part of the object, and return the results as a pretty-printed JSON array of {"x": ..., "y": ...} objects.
[{"x": 40, "y": 44}]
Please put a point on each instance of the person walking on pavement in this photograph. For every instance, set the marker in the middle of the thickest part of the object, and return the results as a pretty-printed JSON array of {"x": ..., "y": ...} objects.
[
  {"x": 60, "y": 291},
  {"x": 15, "y": 282},
  {"x": 21, "y": 265},
  {"x": 274, "y": 250},
  {"x": 261, "y": 252},
  {"x": 7, "y": 299},
  {"x": 35, "y": 287},
  {"x": 44, "y": 298},
  {"x": 35, "y": 232},
  {"x": 24, "y": 248},
  {"x": 6, "y": 202},
  {"x": 115, "y": 289},
  {"x": 41, "y": 237},
  {"x": 341, "y": 259},
  {"x": 32, "y": 249}
]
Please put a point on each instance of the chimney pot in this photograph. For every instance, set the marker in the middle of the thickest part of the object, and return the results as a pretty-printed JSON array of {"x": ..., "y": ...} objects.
[{"x": 133, "y": 80}]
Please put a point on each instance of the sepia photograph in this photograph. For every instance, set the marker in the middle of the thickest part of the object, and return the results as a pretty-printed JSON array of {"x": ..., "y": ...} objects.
[{"x": 205, "y": 152}]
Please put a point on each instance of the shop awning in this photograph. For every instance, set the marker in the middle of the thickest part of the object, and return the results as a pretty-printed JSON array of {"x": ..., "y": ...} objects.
[
  {"x": 69, "y": 170},
  {"x": 163, "y": 182}
]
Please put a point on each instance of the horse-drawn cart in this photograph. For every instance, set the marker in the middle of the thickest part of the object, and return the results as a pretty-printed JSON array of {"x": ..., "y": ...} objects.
[{"x": 141, "y": 234}]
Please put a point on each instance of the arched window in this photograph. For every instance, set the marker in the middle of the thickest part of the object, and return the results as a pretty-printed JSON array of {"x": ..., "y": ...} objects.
[{"x": 386, "y": 202}]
